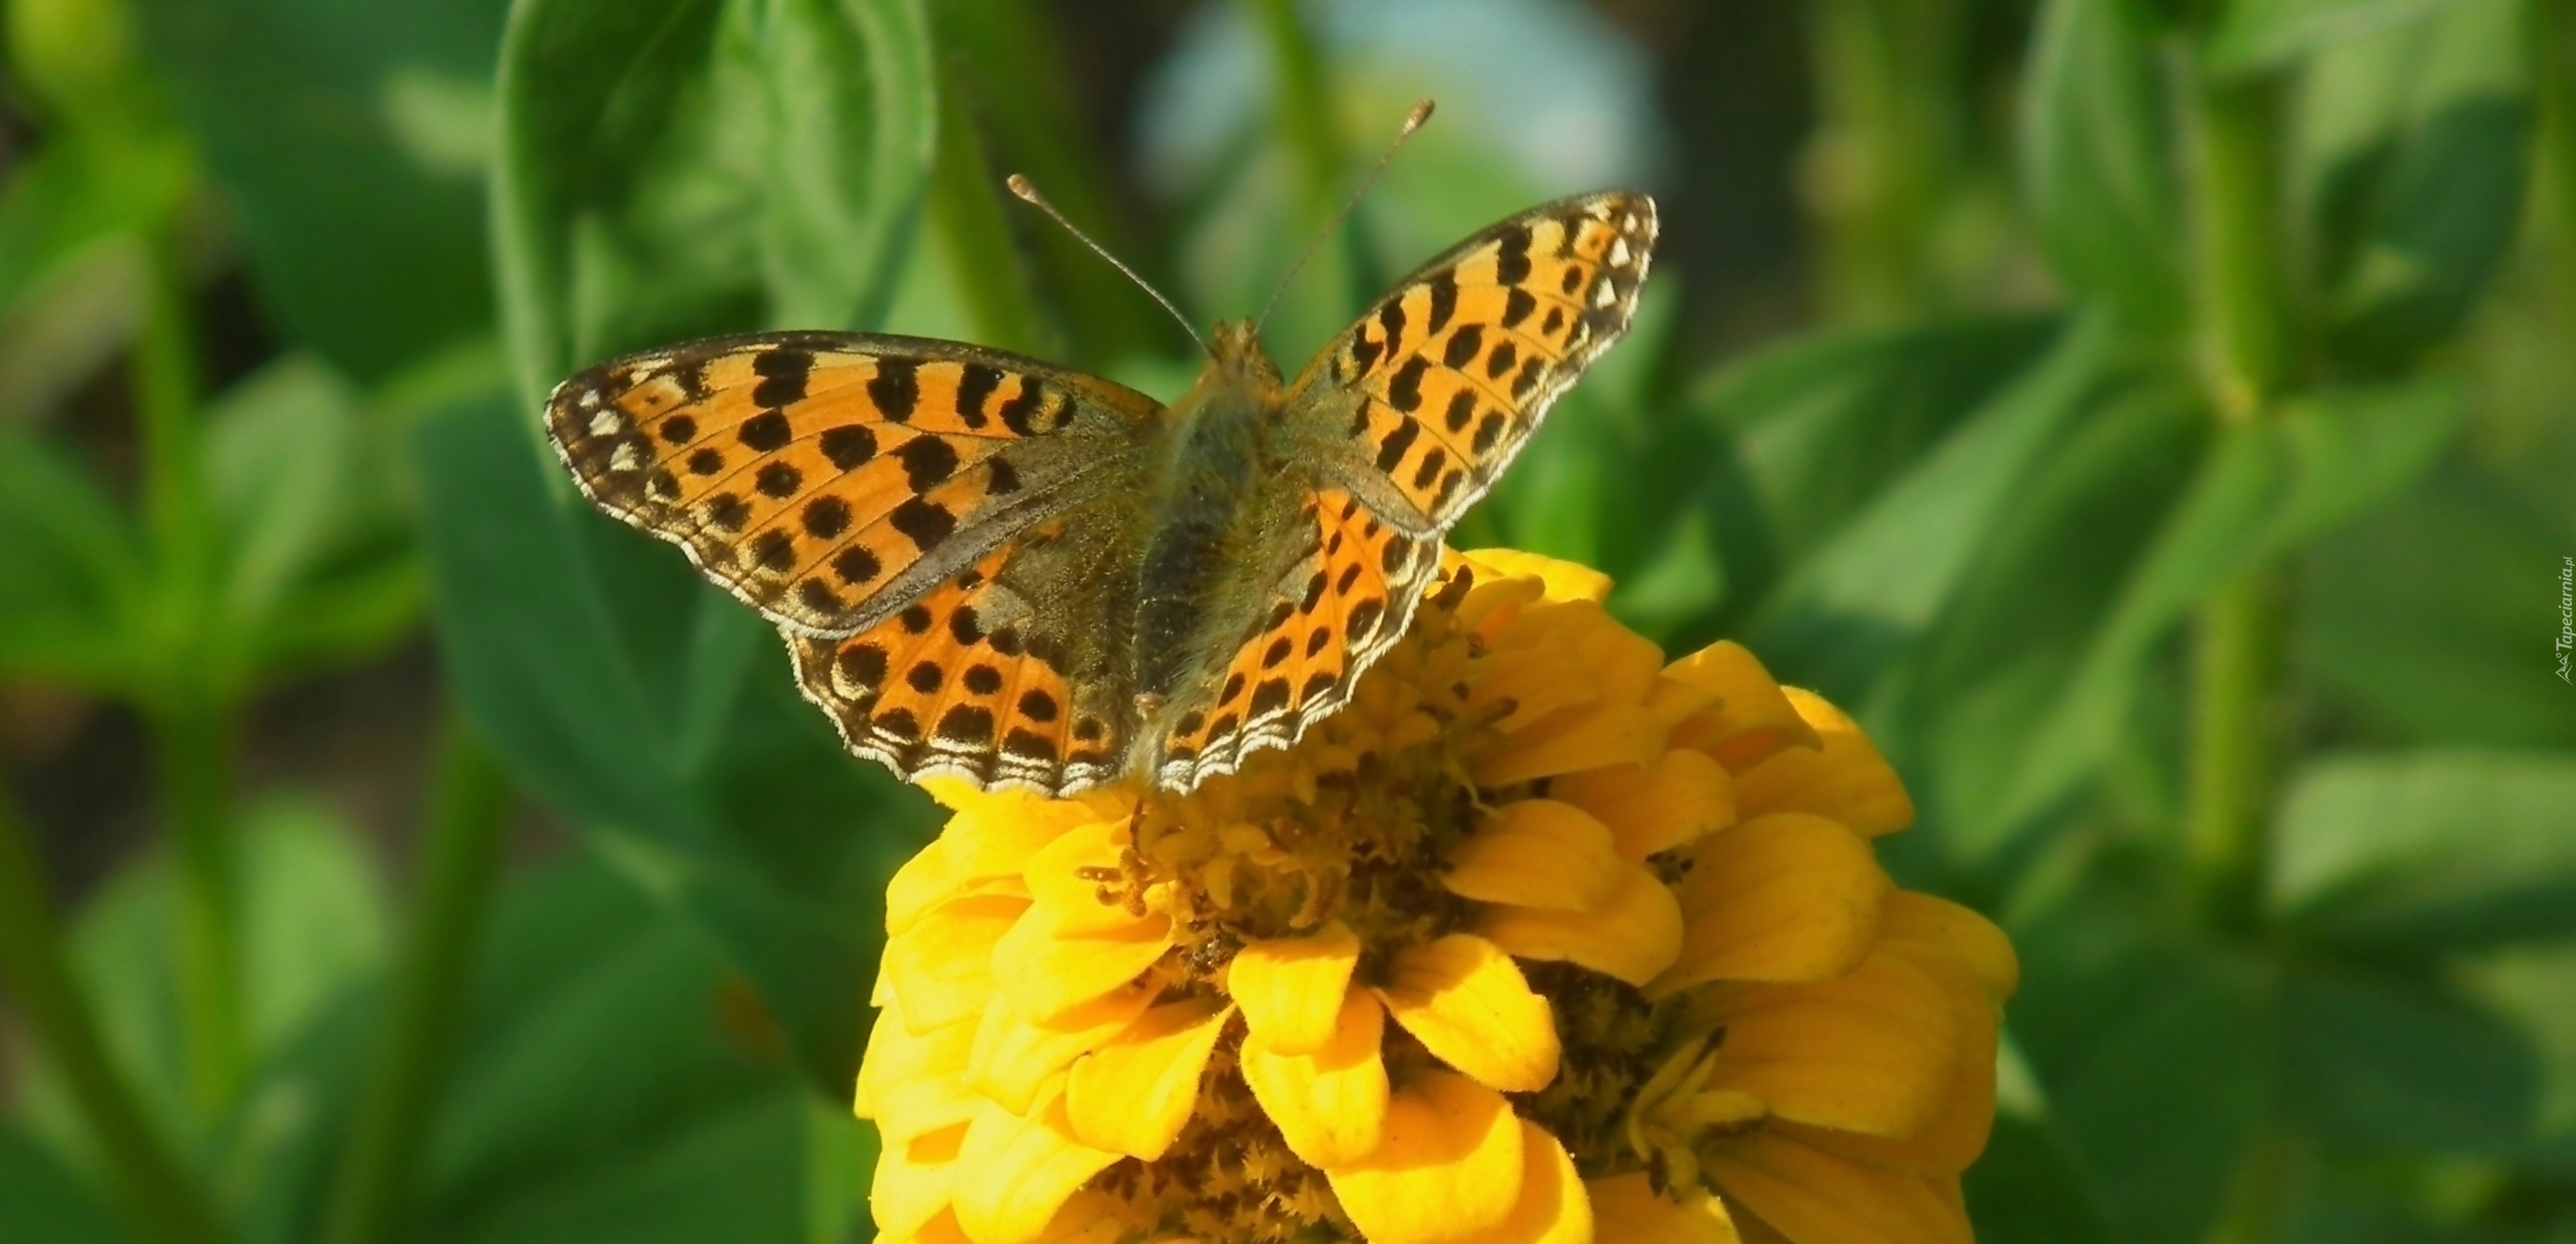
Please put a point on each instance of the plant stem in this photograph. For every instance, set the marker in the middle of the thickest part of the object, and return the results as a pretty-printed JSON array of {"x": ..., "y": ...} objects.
[
  {"x": 2245, "y": 345},
  {"x": 1888, "y": 132},
  {"x": 156, "y": 1197},
  {"x": 191, "y": 709},
  {"x": 2244, "y": 320},
  {"x": 192, "y": 741},
  {"x": 2235, "y": 674},
  {"x": 459, "y": 853},
  {"x": 2553, "y": 39}
]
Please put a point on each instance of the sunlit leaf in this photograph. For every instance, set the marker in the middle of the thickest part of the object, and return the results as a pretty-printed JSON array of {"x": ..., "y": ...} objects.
[
  {"x": 2428, "y": 849},
  {"x": 349, "y": 137},
  {"x": 2099, "y": 161}
]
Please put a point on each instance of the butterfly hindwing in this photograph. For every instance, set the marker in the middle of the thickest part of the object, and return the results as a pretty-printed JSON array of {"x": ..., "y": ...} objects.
[
  {"x": 1419, "y": 406},
  {"x": 1000, "y": 675},
  {"x": 1328, "y": 617},
  {"x": 828, "y": 479}
]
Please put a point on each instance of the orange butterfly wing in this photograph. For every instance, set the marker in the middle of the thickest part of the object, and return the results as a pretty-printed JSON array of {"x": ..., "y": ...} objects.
[{"x": 828, "y": 479}]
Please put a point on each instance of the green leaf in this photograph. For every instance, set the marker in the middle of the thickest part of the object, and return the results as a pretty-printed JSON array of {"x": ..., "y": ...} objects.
[
  {"x": 2392, "y": 1064},
  {"x": 2267, "y": 487},
  {"x": 714, "y": 165},
  {"x": 2152, "y": 1051},
  {"x": 1972, "y": 704},
  {"x": 317, "y": 542},
  {"x": 349, "y": 136},
  {"x": 2412, "y": 156},
  {"x": 1870, "y": 591},
  {"x": 314, "y": 927},
  {"x": 2419, "y": 620},
  {"x": 2258, "y": 34},
  {"x": 659, "y": 714},
  {"x": 73, "y": 575},
  {"x": 606, "y": 1082},
  {"x": 48, "y": 1203},
  {"x": 2098, "y": 160},
  {"x": 2428, "y": 851}
]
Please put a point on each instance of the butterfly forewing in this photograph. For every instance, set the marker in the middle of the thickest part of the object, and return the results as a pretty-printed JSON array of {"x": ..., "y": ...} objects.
[
  {"x": 828, "y": 479},
  {"x": 1419, "y": 406}
]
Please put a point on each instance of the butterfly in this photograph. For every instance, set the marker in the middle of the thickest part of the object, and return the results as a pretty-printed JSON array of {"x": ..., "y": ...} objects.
[{"x": 994, "y": 567}]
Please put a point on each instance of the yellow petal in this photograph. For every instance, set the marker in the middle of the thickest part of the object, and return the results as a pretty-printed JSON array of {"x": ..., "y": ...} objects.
[
  {"x": 1291, "y": 988},
  {"x": 1868, "y": 1052},
  {"x": 1634, "y": 936},
  {"x": 1842, "y": 777},
  {"x": 1536, "y": 682},
  {"x": 1973, "y": 939},
  {"x": 1618, "y": 663},
  {"x": 1815, "y": 1197},
  {"x": 1330, "y": 1105},
  {"x": 1015, "y": 1057},
  {"x": 1786, "y": 897},
  {"x": 1626, "y": 1209},
  {"x": 1957, "y": 1135},
  {"x": 940, "y": 1230},
  {"x": 996, "y": 835},
  {"x": 1089, "y": 1218},
  {"x": 913, "y": 1180},
  {"x": 1683, "y": 795},
  {"x": 1014, "y": 1173},
  {"x": 925, "y": 881},
  {"x": 1571, "y": 741},
  {"x": 1564, "y": 580},
  {"x": 1538, "y": 853},
  {"x": 1450, "y": 1167},
  {"x": 942, "y": 966},
  {"x": 1047, "y": 975},
  {"x": 1468, "y": 1003},
  {"x": 1072, "y": 901},
  {"x": 1134, "y": 1094},
  {"x": 1753, "y": 719},
  {"x": 912, "y": 1083},
  {"x": 1553, "y": 1208}
]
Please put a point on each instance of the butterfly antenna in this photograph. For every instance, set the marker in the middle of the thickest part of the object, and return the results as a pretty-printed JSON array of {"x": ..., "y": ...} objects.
[
  {"x": 1028, "y": 193},
  {"x": 1412, "y": 121}
]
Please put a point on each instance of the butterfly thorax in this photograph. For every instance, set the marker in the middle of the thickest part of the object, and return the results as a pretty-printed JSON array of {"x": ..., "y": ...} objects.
[{"x": 1206, "y": 527}]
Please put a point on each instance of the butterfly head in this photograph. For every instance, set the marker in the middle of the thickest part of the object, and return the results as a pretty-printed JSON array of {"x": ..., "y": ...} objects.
[{"x": 1236, "y": 365}]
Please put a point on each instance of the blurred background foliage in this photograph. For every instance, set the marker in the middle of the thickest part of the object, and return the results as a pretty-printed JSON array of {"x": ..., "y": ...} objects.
[{"x": 2155, "y": 418}]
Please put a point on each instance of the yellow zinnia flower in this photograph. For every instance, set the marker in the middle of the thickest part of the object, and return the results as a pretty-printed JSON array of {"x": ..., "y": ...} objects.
[{"x": 1541, "y": 939}]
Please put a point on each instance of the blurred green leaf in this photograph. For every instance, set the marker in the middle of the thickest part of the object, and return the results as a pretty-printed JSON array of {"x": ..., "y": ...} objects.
[
  {"x": 73, "y": 573},
  {"x": 2413, "y": 156},
  {"x": 69, "y": 196},
  {"x": 48, "y": 1202},
  {"x": 691, "y": 169},
  {"x": 2266, "y": 488},
  {"x": 2387, "y": 1064},
  {"x": 660, "y": 715},
  {"x": 318, "y": 557},
  {"x": 2422, "y": 615},
  {"x": 1870, "y": 590},
  {"x": 605, "y": 1084},
  {"x": 1972, "y": 705},
  {"x": 348, "y": 136},
  {"x": 2427, "y": 851},
  {"x": 734, "y": 1175},
  {"x": 1825, "y": 421},
  {"x": 2099, "y": 161},
  {"x": 2028, "y": 1188},
  {"x": 2153, "y": 1051},
  {"x": 315, "y": 921},
  {"x": 2253, "y": 34}
]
